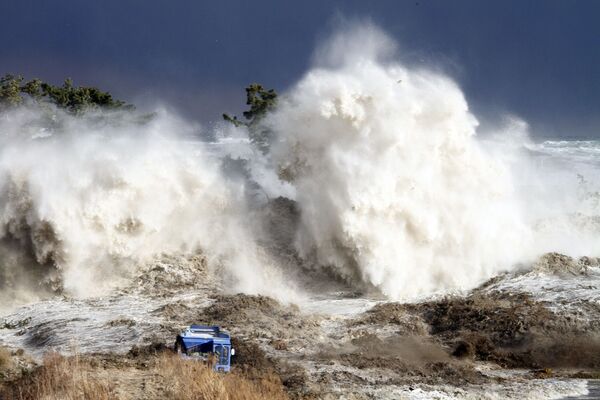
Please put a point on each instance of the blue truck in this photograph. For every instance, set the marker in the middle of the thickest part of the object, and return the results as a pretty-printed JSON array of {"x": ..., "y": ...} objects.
[{"x": 207, "y": 343}]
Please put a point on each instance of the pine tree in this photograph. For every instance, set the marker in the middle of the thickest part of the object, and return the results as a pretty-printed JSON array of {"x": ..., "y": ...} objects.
[
  {"x": 73, "y": 99},
  {"x": 261, "y": 101}
]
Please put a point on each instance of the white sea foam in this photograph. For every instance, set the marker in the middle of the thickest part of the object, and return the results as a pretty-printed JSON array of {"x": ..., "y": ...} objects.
[
  {"x": 392, "y": 185},
  {"x": 94, "y": 199}
]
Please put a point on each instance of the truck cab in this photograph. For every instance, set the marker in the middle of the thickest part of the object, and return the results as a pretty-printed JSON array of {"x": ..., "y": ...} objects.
[{"x": 207, "y": 343}]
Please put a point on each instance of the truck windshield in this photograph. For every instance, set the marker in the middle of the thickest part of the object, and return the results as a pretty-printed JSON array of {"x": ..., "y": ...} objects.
[
  {"x": 225, "y": 355},
  {"x": 222, "y": 354}
]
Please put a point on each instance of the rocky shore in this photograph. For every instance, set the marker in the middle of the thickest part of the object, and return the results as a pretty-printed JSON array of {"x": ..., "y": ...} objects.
[{"x": 500, "y": 340}]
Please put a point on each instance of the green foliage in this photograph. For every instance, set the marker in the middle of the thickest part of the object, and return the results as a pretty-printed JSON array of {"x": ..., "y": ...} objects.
[
  {"x": 234, "y": 120},
  {"x": 261, "y": 101},
  {"x": 10, "y": 90},
  {"x": 73, "y": 99},
  {"x": 33, "y": 88}
]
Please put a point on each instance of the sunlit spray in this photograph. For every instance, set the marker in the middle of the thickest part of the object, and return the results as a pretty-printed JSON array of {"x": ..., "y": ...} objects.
[
  {"x": 94, "y": 200},
  {"x": 392, "y": 186}
]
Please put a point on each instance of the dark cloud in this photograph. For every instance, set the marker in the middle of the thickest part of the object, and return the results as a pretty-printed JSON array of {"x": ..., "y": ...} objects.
[{"x": 539, "y": 60}]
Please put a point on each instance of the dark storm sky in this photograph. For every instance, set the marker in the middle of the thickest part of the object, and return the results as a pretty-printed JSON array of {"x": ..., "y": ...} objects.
[{"x": 537, "y": 59}]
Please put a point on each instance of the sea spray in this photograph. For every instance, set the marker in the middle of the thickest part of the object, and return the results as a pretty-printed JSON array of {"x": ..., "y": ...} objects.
[
  {"x": 97, "y": 196},
  {"x": 376, "y": 172},
  {"x": 557, "y": 185},
  {"x": 392, "y": 186}
]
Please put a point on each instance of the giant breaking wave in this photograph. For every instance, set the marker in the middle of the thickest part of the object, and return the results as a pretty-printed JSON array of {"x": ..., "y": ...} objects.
[
  {"x": 392, "y": 186},
  {"x": 86, "y": 203},
  {"x": 393, "y": 189}
]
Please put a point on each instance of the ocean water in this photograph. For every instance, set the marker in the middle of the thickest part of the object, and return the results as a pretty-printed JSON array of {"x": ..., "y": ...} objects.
[
  {"x": 122, "y": 318},
  {"x": 571, "y": 151},
  {"x": 593, "y": 388}
]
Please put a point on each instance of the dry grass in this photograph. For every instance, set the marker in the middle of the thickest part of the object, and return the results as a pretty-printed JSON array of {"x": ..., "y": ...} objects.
[
  {"x": 192, "y": 380},
  {"x": 61, "y": 378},
  {"x": 5, "y": 359},
  {"x": 164, "y": 376}
]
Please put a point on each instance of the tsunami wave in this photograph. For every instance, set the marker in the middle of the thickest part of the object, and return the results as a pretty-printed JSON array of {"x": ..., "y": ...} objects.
[{"x": 388, "y": 183}]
